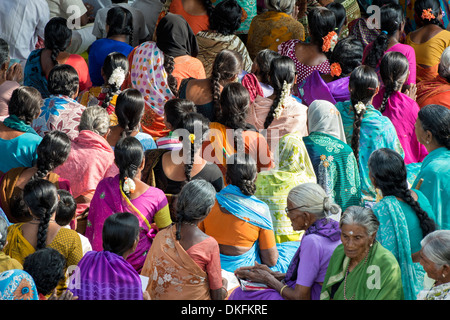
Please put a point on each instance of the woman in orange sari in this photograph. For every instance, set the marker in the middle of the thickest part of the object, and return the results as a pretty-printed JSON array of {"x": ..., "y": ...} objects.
[
  {"x": 435, "y": 85},
  {"x": 231, "y": 132}
]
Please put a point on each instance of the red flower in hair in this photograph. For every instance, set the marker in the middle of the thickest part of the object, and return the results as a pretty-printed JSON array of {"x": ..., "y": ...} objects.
[
  {"x": 336, "y": 69},
  {"x": 428, "y": 14},
  {"x": 329, "y": 41}
]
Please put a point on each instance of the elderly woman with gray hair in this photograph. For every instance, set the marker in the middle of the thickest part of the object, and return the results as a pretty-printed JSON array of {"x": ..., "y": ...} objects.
[
  {"x": 310, "y": 209},
  {"x": 435, "y": 259},
  {"x": 90, "y": 158},
  {"x": 273, "y": 27},
  {"x": 183, "y": 262},
  {"x": 361, "y": 268}
]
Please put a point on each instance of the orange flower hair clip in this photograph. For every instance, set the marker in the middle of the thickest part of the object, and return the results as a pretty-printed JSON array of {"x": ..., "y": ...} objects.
[
  {"x": 336, "y": 69},
  {"x": 329, "y": 41},
  {"x": 428, "y": 14}
]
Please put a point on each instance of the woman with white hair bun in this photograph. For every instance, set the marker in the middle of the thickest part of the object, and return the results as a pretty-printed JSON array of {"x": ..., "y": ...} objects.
[
  {"x": 310, "y": 209},
  {"x": 435, "y": 259}
]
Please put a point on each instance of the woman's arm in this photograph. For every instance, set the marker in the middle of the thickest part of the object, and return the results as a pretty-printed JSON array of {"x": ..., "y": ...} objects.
[
  {"x": 260, "y": 275},
  {"x": 269, "y": 256},
  {"x": 221, "y": 293},
  {"x": 268, "y": 247}
]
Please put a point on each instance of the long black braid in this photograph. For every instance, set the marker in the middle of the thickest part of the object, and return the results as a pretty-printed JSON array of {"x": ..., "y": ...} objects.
[
  {"x": 388, "y": 169},
  {"x": 41, "y": 197},
  {"x": 282, "y": 70}
]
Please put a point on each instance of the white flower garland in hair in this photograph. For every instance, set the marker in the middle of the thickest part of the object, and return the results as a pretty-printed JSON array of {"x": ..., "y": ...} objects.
[
  {"x": 286, "y": 92},
  {"x": 129, "y": 185},
  {"x": 117, "y": 77},
  {"x": 359, "y": 107}
]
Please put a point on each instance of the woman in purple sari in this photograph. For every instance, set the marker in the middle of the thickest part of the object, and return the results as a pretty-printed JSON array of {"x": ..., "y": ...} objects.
[
  {"x": 333, "y": 87},
  {"x": 106, "y": 275},
  {"x": 308, "y": 208},
  {"x": 127, "y": 193}
]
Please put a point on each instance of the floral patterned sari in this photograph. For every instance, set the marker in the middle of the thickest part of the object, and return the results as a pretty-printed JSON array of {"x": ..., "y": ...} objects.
[{"x": 173, "y": 274}]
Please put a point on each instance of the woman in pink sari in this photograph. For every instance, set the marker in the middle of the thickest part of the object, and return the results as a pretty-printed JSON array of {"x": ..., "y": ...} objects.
[
  {"x": 127, "y": 193},
  {"x": 392, "y": 24},
  {"x": 401, "y": 109},
  {"x": 90, "y": 158}
]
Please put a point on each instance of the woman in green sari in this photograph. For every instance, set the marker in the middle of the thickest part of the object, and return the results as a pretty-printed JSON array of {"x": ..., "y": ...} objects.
[
  {"x": 293, "y": 168},
  {"x": 405, "y": 216},
  {"x": 433, "y": 131},
  {"x": 332, "y": 158},
  {"x": 361, "y": 268}
]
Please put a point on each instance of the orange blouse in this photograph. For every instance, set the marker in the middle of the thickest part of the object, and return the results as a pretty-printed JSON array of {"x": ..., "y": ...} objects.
[
  {"x": 228, "y": 229},
  {"x": 196, "y": 22}
]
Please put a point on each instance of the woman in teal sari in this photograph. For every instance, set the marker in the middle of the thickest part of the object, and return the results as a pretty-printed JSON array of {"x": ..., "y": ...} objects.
[
  {"x": 333, "y": 160},
  {"x": 433, "y": 131},
  {"x": 405, "y": 216},
  {"x": 366, "y": 129},
  {"x": 241, "y": 223},
  {"x": 361, "y": 268},
  {"x": 294, "y": 167}
]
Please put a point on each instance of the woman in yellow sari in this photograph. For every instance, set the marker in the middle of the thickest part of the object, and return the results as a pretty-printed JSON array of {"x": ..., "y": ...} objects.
[
  {"x": 273, "y": 27},
  {"x": 42, "y": 231},
  {"x": 293, "y": 168}
]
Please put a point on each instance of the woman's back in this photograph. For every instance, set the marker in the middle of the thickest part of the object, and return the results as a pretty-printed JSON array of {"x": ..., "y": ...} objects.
[
  {"x": 221, "y": 224},
  {"x": 306, "y": 58},
  {"x": 428, "y": 45}
]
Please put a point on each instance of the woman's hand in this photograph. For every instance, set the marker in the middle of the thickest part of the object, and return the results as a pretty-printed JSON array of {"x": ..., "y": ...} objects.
[
  {"x": 412, "y": 91},
  {"x": 66, "y": 295},
  {"x": 255, "y": 274}
]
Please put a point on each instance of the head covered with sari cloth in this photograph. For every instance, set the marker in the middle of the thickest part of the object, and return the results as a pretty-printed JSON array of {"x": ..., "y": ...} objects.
[
  {"x": 175, "y": 38},
  {"x": 293, "y": 157},
  {"x": 17, "y": 285},
  {"x": 273, "y": 186},
  {"x": 324, "y": 117},
  {"x": 149, "y": 76}
]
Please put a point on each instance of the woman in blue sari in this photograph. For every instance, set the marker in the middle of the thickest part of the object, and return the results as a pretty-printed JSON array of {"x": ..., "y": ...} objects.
[
  {"x": 405, "y": 216},
  {"x": 433, "y": 179},
  {"x": 242, "y": 224},
  {"x": 366, "y": 129}
]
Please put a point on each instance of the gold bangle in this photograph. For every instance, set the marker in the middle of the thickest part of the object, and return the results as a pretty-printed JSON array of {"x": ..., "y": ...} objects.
[{"x": 281, "y": 291}]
